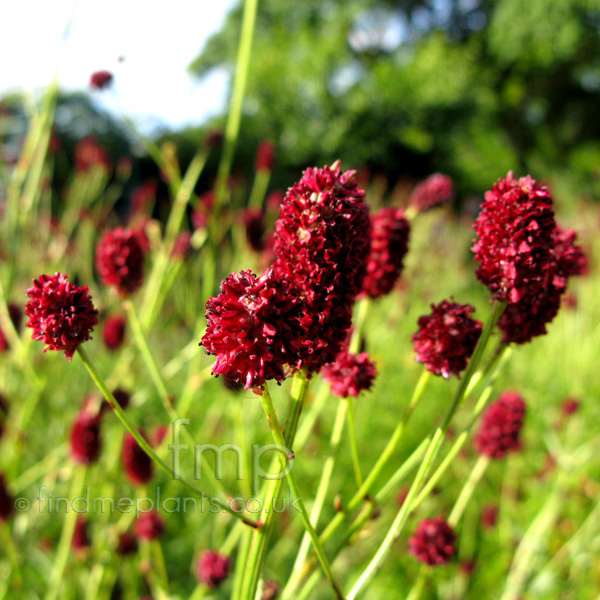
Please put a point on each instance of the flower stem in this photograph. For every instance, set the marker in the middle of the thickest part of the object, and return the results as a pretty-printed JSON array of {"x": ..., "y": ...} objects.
[
  {"x": 353, "y": 443},
  {"x": 278, "y": 438},
  {"x": 465, "y": 495},
  {"x": 430, "y": 455},
  {"x": 144, "y": 445},
  {"x": 66, "y": 537}
]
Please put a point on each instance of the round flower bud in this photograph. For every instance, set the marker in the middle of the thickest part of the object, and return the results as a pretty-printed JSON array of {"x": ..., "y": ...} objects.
[
  {"x": 433, "y": 542},
  {"x": 113, "y": 332},
  {"x": 350, "y": 374},
  {"x": 212, "y": 568},
  {"x": 60, "y": 313},
  {"x": 149, "y": 526},
  {"x": 446, "y": 338},
  {"x": 86, "y": 442}
]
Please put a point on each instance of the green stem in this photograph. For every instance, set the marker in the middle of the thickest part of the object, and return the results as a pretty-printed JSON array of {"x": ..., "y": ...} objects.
[
  {"x": 66, "y": 537},
  {"x": 353, "y": 443},
  {"x": 477, "y": 473},
  {"x": 259, "y": 188},
  {"x": 278, "y": 438},
  {"x": 13, "y": 555},
  {"x": 417, "y": 590},
  {"x": 434, "y": 446},
  {"x": 363, "y": 306},
  {"x": 144, "y": 445}
]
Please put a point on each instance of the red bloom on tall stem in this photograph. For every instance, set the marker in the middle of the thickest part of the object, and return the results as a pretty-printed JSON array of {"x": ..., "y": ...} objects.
[
  {"x": 446, "y": 338},
  {"x": 433, "y": 542},
  {"x": 213, "y": 568},
  {"x": 501, "y": 426},
  {"x": 60, "y": 313},
  {"x": 85, "y": 438},
  {"x": 136, "y": 463},
  {"x": 435, "y": 190},
  {"x": 389, "y": 244},
  {"x": 515, "y": 239},
  {"x": 101, "y": 80},
  {"x": 321, "y": 245},
  {"x": 350, "y": 374},
  {"x": 120, "y": 260},
  {"x": 252, "y": 328}
]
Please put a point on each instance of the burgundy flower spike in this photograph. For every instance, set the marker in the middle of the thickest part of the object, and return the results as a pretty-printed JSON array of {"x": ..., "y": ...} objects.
[
  {"x": 446, "y": 338},
  {"x": 433, "y": 542},
  {"x": 515, "y": 239},
  {"x": 60, "y": 313}
]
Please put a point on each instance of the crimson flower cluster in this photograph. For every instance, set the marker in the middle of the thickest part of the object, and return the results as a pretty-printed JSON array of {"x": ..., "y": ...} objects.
[
  {"x": 435, "y": 190},
  {"x": 350, "y": 374},
  {"x": 528, "y": 318},
  {"x": 60, "y": 313},
  {"x": 149, "y": 526},
  {"x": 113, "y": 332},
  {"x": 213, "y": 568},
  {"x": 120, "y": 260},
  {"x": 501, "y": 426},
  {"x": 446, "y": 338},
  {"x": 136, "y": 463},
  {"x": 389, "y": 244},
  {"x": 101, "y": 80},
  {"x": 433, "y": 542},
  {"x": 86, "y": 442},
  {"x": 252, "y": 328},
  {"x": 515, "y": 239},
  {"x": 321, "y": 245}
]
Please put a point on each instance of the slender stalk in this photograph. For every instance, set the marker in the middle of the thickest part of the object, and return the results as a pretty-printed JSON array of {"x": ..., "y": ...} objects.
[
  {"x": 477, "y": 473},
  {"x": 429, "y": 458},
  {"x": 144, "y": 445},
  {"x": 417, "y": 590},
  {"x": 259, "y": 188},
  {"x": 334, "y": 443},
  {"x": 66, "y": 537},
  {"x": 278, "y": 438},
  {"x": 353, "y": 443},
  {"x": 13, "y": 555}
]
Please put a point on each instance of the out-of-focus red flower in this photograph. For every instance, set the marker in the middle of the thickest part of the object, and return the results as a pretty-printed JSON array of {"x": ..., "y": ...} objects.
[
  {"x": 214, "y": 138},
  {"x": 113, "y": 332},
  {"x": 149, "y": 526},
  {"x": 100, "y": 80},
  {"x": 435, "y": 190},
  {"x": 136, "y": 463},
  {"x": 121, "y": 396},
  {"x": 60, "y": 313},
  {"x": 182, "y": 246},
  {"x": 570, "y": 406},
  {"x": 89, "y": 154},
  {"x": 350, "y": 374},
  {"x": 6, "y": 501},
  {"x": 501, "y": 426},
  {"x": 81, "y": 539},
  {"x": 143, "y": 196},
  {"x": 515, "y": 239},
  {"x": 120, "y": 260},
  {"x": 270, "y": 590},
  {"x": 274, "y": 200},
  {"x": 321, "y": 244},
  {"x": 254, "y": 222},
  {"x": 390, "y": 231},
  {"x": 159, "y": 434},
  {"x": 265, "y": 156},
  {"x": 446, "y": 338},
  {"x": 252, "y": 328},
  {"x": 489, "y": 515},
  {"x": 127, "y": 544},
  {"x": 86, "y": 442},
  {"x": 433, "y": 542},
  {"x": 213, "y": 568}
]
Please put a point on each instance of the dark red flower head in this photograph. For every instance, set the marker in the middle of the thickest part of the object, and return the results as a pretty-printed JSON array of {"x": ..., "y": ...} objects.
[
  {"x": 389, "y": 244},
  {"x": 270, "y": 590},
  {"x": 254, "y": 222},
  {"x": 60, "y": 313},
  {"x": 89, "y": 154},
  {"x": 101, "y": 80},
  {"x": 81, "y": 539},
  {"x": 16, "y": 316},
  {"x": 85, "y": 438},
  {"x": 501, "y": 426},
  {"x": 446, "y": 338},
  {"x": 149, "y": 526},
  {"x": 143, "y": 196},
  {"x": 515, "y": 245},
  {"x": 213, "y": 568},
  {"x": 6, "y": 501},
  {"x": 127, "y": 544},
  {"x": 433, "y": 542},
  {"x": 321, "y": 245},
  {"x": 350, "y": 374},
  {"x": 489, "y": 515},
  {"x": 435, "y": 190},
  {"x": 214, "y": 138},
  {"x": 570, "y": 406},
  {"x": 252, "y": 328},
  {"x": 120, "y": 260},
  {"x": 522, "y": 321},
  {"x": 121, "y": 396},
  {"x": 265, "y": 156},
  {"x": 113, "y": 332},
  {"x": 136, "y": 463}
]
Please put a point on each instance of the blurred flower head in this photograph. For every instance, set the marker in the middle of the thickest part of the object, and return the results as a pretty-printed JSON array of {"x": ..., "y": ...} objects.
[
  {"x": 113, "y": 332},
  {"x": 350, "y": 374},
  {"x": 136, "y": 463},
  {"x": 149, "y": 526},
  {"x": 433, "y": 542},
  {"x": 435, "y": 190},
  {"x": 101, "y": 80},
  {"x": 86, "y": 442},
  {"x": 213, "y": 568}
]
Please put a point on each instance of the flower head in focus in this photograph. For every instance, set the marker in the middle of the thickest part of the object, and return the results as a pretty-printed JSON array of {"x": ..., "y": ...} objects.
[
  {"x": 60, "y": 313},
  {"x": 446, "y": 338}
]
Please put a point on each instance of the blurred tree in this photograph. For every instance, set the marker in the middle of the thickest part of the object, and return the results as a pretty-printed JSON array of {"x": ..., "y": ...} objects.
[{"x": 470, "y": 87}]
